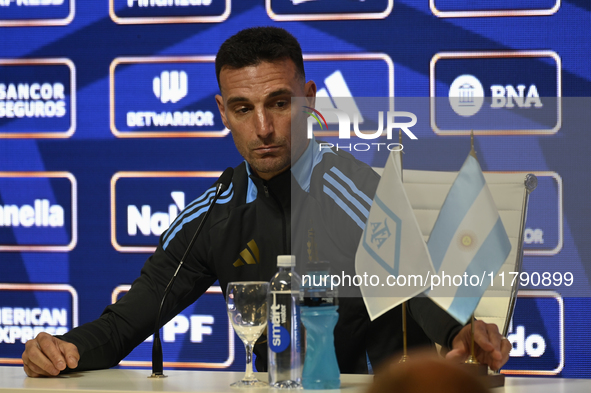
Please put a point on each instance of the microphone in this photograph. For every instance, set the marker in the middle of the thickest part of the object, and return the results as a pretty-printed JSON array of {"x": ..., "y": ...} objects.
[
  {"x": 224, "y": 182},
  {"x": 157, "y": 362}
]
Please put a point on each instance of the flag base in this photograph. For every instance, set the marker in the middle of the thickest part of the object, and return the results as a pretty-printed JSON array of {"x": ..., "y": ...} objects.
[{"x": 481, "y": 372}]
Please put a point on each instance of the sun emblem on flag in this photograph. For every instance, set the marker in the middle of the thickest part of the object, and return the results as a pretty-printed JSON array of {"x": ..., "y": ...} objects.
[{"x": 467, "y": 240}]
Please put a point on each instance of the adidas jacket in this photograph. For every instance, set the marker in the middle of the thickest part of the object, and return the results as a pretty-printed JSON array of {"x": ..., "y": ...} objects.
[{"x": 316, "y": 210}]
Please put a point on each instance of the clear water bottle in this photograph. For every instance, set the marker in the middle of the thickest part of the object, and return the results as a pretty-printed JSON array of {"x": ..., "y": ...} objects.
[
  {"x": 283, "y": 328},
  {"x": 319, "y": 317}
]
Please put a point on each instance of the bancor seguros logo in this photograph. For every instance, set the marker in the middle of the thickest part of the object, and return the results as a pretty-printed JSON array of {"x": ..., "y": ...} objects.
[{"x": 344, "y": 121}]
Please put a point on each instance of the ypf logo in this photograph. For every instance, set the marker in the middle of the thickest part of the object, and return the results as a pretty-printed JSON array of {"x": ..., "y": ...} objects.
[
  {"x": 171, "y": 86},
  {"x": 466, "y": 95},
  {"x": 201, "y": 336}
]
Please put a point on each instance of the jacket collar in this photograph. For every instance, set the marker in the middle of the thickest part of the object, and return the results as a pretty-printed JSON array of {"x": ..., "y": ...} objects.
[{"x": 301, "y": 170}]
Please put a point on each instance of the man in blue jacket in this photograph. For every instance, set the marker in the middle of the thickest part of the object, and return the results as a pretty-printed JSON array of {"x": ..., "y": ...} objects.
[{"x": 285, "y": 187}]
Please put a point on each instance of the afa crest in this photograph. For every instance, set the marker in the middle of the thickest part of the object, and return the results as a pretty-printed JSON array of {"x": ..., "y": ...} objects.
[
  {"x": 382, "y": 237},
  {"x": 380, "y": 232}
]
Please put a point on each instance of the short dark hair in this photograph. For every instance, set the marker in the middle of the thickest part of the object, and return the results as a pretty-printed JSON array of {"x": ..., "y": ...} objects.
[{"x": 252, "y": 46}]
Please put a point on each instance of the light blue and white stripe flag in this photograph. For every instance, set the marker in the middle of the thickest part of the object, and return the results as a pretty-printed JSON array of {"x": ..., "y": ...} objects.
[
  {"x": 392, "y": 246},
  {"x": 468, "y": 239}
]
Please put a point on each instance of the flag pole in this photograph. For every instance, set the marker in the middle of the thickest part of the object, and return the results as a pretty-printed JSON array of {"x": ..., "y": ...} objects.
[
  {"x": 472, "y": 358},
  {"x": 401, "y": 153},
  {"x": 477, "y": 368},
  {"x": 472, "y": 151},
  {"x": 404, "y": 357}
]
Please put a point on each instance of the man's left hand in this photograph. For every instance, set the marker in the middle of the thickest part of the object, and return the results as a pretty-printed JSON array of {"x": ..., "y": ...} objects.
[{"x": 490, "y": 347}]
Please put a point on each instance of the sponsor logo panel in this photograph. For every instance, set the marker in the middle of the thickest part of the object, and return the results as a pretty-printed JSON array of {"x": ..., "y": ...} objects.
[
  {"x": 298, "y": 10},
  {"x": 160, "y": 97},
  {"x": 341, "y": 78},
  {"x": 536, "y": 333},
  {"x": 28, "y": 309},
  {"x": 37, "y": 98},
  {"x": 38, "y": 211},
  {"x": 144, "y": 204},
  {"x": 36, "y": 12},
  {"x": 169, "y": 11},
  {"x": 201, "y": 336},
  {"x": 496, "y": 93},
  {"x": 480, "y": 8}
]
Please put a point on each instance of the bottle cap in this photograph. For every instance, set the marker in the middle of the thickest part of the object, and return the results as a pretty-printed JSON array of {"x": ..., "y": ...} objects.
[{"x": 285, "y": 260}]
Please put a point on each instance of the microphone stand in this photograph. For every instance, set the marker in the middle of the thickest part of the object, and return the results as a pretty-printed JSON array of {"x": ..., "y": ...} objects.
[{"x": 157, "y": 360}]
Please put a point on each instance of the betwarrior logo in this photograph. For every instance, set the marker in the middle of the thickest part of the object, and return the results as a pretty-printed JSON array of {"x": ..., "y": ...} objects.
[
  {"x": 170, "y": 87},
  {"x": 317, "y": 116}
]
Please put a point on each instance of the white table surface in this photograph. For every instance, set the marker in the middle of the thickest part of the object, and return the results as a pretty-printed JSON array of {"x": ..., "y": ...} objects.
[{"x": 13, "y": 379}]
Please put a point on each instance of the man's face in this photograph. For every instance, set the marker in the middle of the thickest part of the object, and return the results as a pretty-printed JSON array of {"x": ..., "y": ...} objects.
[{"x": 256, "y": 106}]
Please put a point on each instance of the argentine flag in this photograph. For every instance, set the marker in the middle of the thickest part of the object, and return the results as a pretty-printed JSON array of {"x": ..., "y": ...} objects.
[
  {"x": 468, "y": 239},
  {"x": 391, "y": 246}
]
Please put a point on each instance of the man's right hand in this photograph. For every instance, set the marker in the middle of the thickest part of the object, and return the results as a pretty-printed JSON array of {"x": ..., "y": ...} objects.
[{"x": 46, "y": 356}]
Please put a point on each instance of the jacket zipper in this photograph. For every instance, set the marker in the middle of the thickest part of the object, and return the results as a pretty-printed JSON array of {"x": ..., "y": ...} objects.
[{"x": 283, "y": 220}]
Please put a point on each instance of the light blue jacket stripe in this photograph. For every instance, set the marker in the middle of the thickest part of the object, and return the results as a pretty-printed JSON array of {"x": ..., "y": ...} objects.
[
  {"x": 351, "y": 184},
  {"x": 460, "y": 198},
  {"x": 490, "y": 257},
  {"x": 344, "y": 206},
  {"x": 251, "y": 189},
  {"x": 346, "y": 194},
  {"x": 303, "y": 168},
  {"x": 203, "y": 199},
  {"x": 224, "y": 198}
]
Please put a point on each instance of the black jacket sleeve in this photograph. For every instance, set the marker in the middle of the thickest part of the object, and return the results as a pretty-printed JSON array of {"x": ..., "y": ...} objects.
[
  {"x": 435, "y": 322},
  {"x": 106, "y": 341}
]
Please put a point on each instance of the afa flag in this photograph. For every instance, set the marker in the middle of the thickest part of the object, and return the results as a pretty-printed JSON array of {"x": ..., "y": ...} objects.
[
  {"x": 392, "y": 246},
  {"x": 468, "y": 239}
]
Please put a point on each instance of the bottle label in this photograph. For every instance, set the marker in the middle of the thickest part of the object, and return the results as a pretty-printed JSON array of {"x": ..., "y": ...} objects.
[{"x": 279, "y": 337}]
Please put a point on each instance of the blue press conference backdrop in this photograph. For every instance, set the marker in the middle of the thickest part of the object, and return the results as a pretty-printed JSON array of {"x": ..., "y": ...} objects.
[{"x": 108, "y": 128}]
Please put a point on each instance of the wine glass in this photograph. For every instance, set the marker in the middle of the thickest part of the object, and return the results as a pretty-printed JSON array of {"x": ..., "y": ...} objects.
[{"x": 247, "y": 309}]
